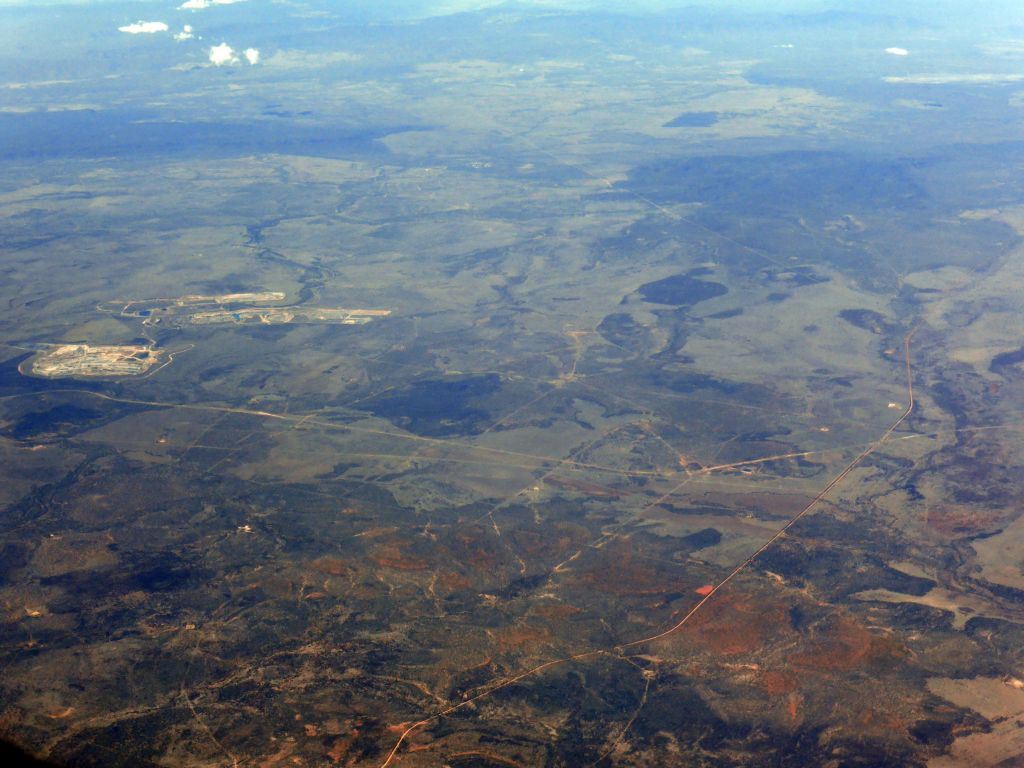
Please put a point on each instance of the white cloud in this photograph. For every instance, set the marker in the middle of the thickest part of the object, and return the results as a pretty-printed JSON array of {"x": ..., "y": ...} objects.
[
  {"x": 185, "y": 34},
  {"x": 38, "y": 84},
  {"x": 1012, "y": 49},
  {"x": 954, "y": 79},
  {"x": 222, "y": 54},
  {"x": 195, "y": 5},
  {"x": 897, "y": 51},
  {"x": 50, "y": 108},
  {"x": 143, "y": 27}
]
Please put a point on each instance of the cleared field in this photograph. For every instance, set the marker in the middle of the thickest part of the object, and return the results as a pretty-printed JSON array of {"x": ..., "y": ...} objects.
[{"x": 285, "y": 315}]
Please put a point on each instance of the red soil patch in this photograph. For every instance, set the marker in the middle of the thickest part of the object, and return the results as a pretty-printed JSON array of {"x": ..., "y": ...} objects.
[
  {"x": 487, "y": 757},
  {"x": 376, "y": 533},
  {"x": 555, "y": 541},
  {"x": 738, "y": 623},
  {"x": 519, "y": 637},
  {"x": 875, "y": 720},
  {"x": 334, "y": 727},
  {"x": 9, "y": 719},
  {"x": 888, "y": 648},
  {"x": 555, "y": 612},
  {"x": 330, "y": 565},
  {"x": 843, "y": 644},
  {"x": 450, "y": 581},
  {"x": 475, "y": 548},
  {"x": 778, "y": 683},
  {"x": 340, "y": 747},
  {"x": 793, "y": 702},
  {"x": 959, "y": 521},
  {"x": 620, "y": 571},
  {"x": 276, "y": 759},
  {"x": 706, "y": 590},
  {"x": 390, "y": 556}
]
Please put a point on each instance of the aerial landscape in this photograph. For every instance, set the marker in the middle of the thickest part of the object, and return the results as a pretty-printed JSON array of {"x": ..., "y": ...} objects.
[{"x": 485, "y": 384}]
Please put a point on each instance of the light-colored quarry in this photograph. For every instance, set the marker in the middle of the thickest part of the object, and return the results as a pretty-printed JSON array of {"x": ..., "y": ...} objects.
[{"x": 84, "y": 360}]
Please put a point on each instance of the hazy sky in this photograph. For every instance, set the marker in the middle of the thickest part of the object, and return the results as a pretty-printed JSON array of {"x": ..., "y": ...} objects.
[
  {"x": 1012, "y": 9},
  {"x": 992, "y": 17}
]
